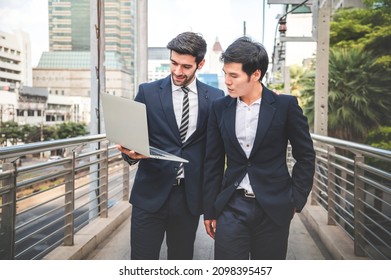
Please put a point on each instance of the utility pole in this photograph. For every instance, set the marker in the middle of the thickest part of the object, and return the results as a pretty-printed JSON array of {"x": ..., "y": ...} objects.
[{"x": 322, "y": 26}]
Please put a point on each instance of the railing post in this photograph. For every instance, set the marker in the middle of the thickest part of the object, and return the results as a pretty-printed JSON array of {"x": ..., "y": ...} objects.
[
  {"x": 125, "y": 180},
  {"x": 8, "y": 214},
  {"x": 331, "y": 189},
  {"x": 315, "y": 193},
  {"x": 359, "y": 221},
  {"x": 104, "y": 181},
  {"x": 70, "y": 202}
]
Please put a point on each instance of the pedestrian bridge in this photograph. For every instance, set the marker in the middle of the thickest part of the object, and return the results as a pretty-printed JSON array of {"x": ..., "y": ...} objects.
[{"x": 75, "y": 207}]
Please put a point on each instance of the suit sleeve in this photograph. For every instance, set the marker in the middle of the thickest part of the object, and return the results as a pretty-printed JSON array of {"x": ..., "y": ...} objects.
[
  {"x": 129, "y": 160},
  {"x": 214, "y": 164},
  {"x": 303, "y": 152}
]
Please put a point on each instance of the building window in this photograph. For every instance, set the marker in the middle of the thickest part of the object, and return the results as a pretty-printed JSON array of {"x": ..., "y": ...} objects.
[
  {"x": 50, "y": 118},
  {"x": 20, "y": 113},
  {"x": 30, "y": 113}
]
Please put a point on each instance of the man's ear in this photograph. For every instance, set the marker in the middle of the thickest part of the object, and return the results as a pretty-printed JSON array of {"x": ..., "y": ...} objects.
[
  {"x": 201, "y": 64},
  {"x": 257, "y": 75}
]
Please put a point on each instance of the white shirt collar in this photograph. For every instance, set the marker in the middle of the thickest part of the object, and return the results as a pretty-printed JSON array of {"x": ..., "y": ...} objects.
[{"x": 239, "y": 101}]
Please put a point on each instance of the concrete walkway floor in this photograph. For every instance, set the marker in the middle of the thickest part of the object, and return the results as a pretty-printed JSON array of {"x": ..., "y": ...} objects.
[{"x": 303, "y": 245}]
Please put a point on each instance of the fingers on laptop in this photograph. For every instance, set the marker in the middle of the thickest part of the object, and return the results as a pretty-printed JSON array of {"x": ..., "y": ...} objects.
[{"x": 130, "y": 153}]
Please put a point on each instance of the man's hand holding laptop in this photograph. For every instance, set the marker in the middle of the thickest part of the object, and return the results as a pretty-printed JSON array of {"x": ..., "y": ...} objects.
[{"x": 130, "y": 153}]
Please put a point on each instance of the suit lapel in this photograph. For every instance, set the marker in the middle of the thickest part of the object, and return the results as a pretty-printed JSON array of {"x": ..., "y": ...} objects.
[
  {"x": 168, "y": 108},
  {"x": 203, "y": 107},
  {"x": 266, "y": 115},
  {"x": 229, "y": 116},
  {"x": 203, "y": 104}
]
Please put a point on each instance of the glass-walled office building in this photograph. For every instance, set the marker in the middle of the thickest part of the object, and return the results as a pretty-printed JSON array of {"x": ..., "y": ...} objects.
[{"x": 69, "y": 27}]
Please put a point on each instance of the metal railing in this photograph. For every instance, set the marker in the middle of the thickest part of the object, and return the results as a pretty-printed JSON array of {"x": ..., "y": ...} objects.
[
  {"x": 353, "y": 183},
  {"x": 44, "y": 203}
]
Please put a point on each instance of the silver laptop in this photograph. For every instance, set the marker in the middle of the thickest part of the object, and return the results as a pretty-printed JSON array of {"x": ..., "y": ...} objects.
[{"x": 126, "y": 124}]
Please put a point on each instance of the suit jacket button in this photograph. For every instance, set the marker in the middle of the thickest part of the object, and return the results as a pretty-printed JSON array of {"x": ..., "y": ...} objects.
[
  {"x": 248, "y": 163},
  {"x": 236, "y": 184}
]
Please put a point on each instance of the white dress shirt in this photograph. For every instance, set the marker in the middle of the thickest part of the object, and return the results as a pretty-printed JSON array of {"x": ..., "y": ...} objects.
[
  {"x": 246, "y": 124},
  {"x": 177, "y": 99}
]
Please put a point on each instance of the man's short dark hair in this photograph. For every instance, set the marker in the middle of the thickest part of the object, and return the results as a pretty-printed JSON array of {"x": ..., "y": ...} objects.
[
  {"x": 252, "y": 55},
  {"x": 189, "y": 43}
]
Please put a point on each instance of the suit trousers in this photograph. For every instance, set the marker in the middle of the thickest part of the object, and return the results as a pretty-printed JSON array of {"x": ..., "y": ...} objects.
[
  {"x": 244, "y": 231},
  {"x": 173, "y": 219}
]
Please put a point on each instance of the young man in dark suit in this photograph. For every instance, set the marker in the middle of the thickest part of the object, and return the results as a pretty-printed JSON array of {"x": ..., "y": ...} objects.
[
  {"x": 166, "y": 195},
  {"x": 250, "y": 203}
]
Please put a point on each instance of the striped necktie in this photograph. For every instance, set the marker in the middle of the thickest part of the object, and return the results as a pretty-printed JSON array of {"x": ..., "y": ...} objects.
[
  {"x": 184, "y": 122},
  {"x": 185, "y": 114}
]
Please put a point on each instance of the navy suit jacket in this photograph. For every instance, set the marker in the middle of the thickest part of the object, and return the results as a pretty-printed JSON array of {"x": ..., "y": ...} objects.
[
  {"x": 155, "y": 178},
  {"x": 277, "y": 191}
]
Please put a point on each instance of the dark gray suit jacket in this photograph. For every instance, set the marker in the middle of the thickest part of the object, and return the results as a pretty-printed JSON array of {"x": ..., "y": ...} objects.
[
  {"x": 154, "y": 178},
  {"x": 280, "y": 119}
]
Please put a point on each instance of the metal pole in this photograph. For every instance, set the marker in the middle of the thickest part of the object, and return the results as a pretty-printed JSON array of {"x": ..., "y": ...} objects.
[
  {"x": 8, "y": 214},
  {"x": 244, "y": 28},
  {"x": 263, "y": 22},
  {"x": 97, "y": 49},
  {"x": 141, "y": 72}
]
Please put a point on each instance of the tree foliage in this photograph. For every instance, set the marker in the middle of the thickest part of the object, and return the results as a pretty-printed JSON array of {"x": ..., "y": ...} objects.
[
  {"x": 380, "y": 138},
  {"x": 357, "y": 96},
  {"x": 366, "y": 29},
  {"x": 359, "y": 73},
  {"x": 14, "y": 133},
  {"x": 71, "y": 129}
]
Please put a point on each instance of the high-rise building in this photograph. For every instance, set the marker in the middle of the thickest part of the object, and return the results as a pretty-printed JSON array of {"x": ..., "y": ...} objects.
[
  {"x": 158, "y": 63},
  {"x": 15, "y": 60},
  {"x": 69, "y": 27}
]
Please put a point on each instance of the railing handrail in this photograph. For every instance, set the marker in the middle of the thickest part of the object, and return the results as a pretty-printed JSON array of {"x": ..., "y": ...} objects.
[
  {"x": 352, "y": 145},
  {"x": 20, "y": 150}
]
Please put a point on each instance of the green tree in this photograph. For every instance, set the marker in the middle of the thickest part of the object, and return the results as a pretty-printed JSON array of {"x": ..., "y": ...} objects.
[
  {"x": 29, "y": 133},
  {"x": 296, "y": 73},
  {"x": 306, "y": 96},
  {"x": 380, "y": 137},
  {"x": 367, "y": 29},
  {"x": 358, "y": 100},
  {"x": 14, "y": 133},
  {"x": 9, "y": 132},
  {"x": 49, "y": 132},
  {"x": 71, "y": 129}
]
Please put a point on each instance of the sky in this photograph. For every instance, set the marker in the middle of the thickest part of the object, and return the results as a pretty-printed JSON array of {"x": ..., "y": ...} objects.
[{"x": 222, "y": 19}]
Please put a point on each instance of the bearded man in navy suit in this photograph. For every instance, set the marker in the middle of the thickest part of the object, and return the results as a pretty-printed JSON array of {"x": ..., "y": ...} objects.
[
  {"x": 249, "y": 195},
  {"x": 167, "y": 196}
]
